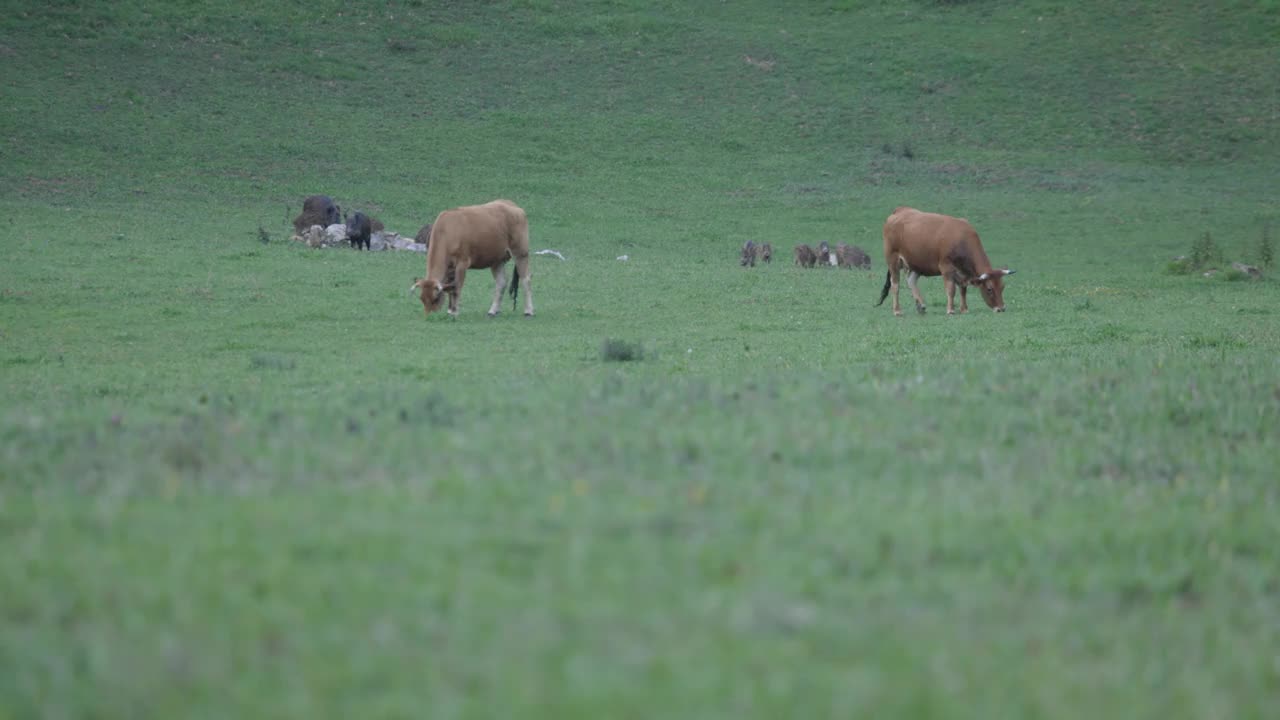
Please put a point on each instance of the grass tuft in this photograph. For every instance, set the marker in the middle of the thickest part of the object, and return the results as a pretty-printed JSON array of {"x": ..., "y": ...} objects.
[
  {"x": 267, "y": 361},
  {"x": 615, "y": 350}
]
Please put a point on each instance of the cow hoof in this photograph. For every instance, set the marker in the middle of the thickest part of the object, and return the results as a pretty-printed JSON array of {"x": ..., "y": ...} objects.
[
  {"x": 897, "y": 313},
  {"x": 493, "y": 314},
  {"x": 920, "y": 309},
  {"x": 528, "y": 314},
  {"x": 951, "y": 312}
]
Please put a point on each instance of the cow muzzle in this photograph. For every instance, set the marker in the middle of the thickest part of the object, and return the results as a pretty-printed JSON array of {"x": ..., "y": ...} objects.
[{"x": 1000, "y": 309}]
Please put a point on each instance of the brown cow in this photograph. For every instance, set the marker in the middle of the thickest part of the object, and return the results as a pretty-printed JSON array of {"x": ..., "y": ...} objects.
[
  {"x": 766, "y": 253},
  {"x": 930, "y": 244},
  {"x": 805, "y": 256},
  {"x": 476, "y": 236}
]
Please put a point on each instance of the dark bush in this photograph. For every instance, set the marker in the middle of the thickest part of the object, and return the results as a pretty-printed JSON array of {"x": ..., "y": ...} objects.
[{"x": 615, "y": 350}]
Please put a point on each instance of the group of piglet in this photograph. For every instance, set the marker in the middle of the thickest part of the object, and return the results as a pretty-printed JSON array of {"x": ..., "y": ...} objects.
[{"x": 844, "y": 255}]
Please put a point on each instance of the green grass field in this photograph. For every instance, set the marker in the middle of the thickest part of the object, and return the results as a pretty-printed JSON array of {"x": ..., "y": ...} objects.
[{"x": 243, "y": 479}]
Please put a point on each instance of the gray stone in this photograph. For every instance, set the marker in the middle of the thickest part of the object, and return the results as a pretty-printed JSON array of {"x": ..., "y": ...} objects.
[{"x": 1249, "y": 270}]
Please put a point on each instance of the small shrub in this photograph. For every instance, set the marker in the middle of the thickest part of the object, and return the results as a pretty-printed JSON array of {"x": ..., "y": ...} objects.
[
  {"x": 904, "y": 150},
  {"x": 1205, "y": 251},
  {"x": 264, "y": 237},
  {"x": 266, "y": 361},
  {"x": 1266, "y": 253},
  {"x": 1180, "y": 266},
  {"x": 397, "y": 45},
  {"x": 615, "y": 350}
]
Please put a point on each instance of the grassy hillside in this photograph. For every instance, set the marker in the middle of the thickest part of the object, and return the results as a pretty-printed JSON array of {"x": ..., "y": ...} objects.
[
  {"x": 249, "y": 479},
  {"x": 428, "y": 98}
]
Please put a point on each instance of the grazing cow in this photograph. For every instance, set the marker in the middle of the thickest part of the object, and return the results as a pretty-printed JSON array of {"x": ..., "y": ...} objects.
[
  {"x": 766, "y": 253},
  {"x": 358, "y": 230},
  {"x": 749, "y": 251},
  {"x": 930, "y": 244},
  {"x": 317, "y": 210},
  {"x": 805, "y": 256},
  {"x": 476, "y": 236},
  {"x": 851, "y": 256}
]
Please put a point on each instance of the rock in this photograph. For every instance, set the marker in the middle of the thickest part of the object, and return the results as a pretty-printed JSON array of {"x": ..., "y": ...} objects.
[
  {"x": 318, "y": 236},
  {"x": 1249, "y": 270},
  {"x": 314, "y": 236},
  {"x": 336, "y": 234},
  {"x": 396, "y": 241}
]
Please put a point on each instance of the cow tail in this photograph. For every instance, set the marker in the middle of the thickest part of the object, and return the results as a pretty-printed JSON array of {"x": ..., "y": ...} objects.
[
  {"x": 515, "y": 287},
  {"x": 884, "y": 292}
]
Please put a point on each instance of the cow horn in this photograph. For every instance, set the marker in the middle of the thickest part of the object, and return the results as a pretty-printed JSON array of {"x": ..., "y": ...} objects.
[
  {"x": 1010, "y": 272},
  {"x": 983, "y": 277}
]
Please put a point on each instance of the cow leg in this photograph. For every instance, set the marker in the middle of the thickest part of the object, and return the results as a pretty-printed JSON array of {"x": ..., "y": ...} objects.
[
  {"x": 459, "y": 274},
  {"x": 499, "y": 284},
  {"x": 522, "y": 268},
  {"x": 950, "y": 285},
  {"x": 893, "y": 283},
  {"x": 964, "y": 300},
  {"x": 912, "y": 278}
]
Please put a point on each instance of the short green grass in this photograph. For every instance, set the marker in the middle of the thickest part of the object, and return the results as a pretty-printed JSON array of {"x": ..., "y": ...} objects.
[{"x": 248, "y": 479}]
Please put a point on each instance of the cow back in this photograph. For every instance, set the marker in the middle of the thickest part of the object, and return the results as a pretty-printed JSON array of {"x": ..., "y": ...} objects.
[
  {"x": 926, "y": 241},
  {"x": 479, "y": 236}
]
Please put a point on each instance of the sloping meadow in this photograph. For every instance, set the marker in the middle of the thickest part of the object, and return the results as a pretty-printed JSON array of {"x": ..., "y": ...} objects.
[{"x": 243, "y": 477}]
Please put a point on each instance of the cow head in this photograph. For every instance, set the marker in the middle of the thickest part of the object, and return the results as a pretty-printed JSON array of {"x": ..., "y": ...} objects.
[
  {"x": 991, "y": 284},
  {"x": 431, "y": 292}
]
